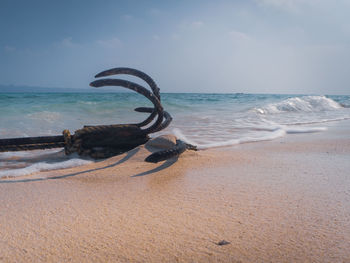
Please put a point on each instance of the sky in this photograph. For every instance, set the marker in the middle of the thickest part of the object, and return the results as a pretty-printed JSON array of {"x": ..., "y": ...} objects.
[{"x": 248, "y": 46}]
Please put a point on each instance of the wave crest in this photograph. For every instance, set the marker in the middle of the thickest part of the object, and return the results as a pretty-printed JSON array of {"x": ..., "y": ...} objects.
[{"x": 300, "y": 104}]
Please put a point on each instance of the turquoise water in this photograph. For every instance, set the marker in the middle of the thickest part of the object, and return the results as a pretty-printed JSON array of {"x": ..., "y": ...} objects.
[{"x": 207, "y": 120}]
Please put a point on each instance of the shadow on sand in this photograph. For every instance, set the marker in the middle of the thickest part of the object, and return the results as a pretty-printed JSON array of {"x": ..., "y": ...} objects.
[
  {"x": 165, "y": 165},
  {"x": 130, "y": 154}
]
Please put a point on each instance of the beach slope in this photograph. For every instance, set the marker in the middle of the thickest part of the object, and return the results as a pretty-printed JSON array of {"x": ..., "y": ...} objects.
[{"x": 286, "y": 200}]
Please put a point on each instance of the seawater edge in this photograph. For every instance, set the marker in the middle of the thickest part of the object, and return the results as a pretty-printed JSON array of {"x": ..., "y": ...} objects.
[{"x": 206, "y": 120}]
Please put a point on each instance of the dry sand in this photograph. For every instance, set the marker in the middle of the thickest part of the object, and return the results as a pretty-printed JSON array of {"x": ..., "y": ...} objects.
[{"x": 286, "y": 200}]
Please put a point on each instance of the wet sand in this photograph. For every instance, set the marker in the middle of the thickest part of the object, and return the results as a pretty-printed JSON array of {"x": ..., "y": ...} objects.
[{"x": 286, "y": 200}]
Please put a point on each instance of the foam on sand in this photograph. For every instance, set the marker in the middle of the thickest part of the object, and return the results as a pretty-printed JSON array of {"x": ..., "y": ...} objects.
[
  {"x": 285, "y": 200},
  {"x": 43, "y": 166}
]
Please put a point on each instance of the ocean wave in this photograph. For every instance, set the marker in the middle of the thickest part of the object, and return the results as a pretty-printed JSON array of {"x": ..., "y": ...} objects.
[
  {"x": 300, "y": 104},
  {"x": 318, "y": 121},
  {"x": 47, "y": 116},
  {"x": 87, "y": 102},
  {"x": 43, "y": 166},
  {"x": 261, "y": 133},
  {"x": 276, "y": 133},
  {"x": 292, "y": 130},
  {"x": 205, "y": 120}
]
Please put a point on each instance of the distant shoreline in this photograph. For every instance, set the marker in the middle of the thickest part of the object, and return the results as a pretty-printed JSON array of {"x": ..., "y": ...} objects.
[
  {"x": 30, "y": 89},
  {"x": 34, "y": 89}
]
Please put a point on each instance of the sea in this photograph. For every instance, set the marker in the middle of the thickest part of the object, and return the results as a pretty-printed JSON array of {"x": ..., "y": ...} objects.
[{"x": 205, "y": 120}]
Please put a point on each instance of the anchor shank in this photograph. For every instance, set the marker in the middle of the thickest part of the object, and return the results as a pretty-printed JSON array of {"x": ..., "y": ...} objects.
[
  {"x": 29, "y": 147},
  {"x": 32, "y": 140}
]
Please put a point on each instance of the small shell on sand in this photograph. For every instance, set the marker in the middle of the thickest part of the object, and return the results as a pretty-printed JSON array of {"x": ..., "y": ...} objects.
[{"x": 163, "y": 141}]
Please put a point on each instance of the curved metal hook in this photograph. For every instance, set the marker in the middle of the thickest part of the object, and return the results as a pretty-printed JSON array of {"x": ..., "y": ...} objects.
[
  {"x": 133, "y": 72},
  {"x": 167, "y": 117},
  {"x": 141, "y": 75},
  {"x": 139, "y": 89}
]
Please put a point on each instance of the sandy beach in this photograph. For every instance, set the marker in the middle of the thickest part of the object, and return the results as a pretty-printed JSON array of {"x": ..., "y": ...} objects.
[
  {"x": 286, "y": 200},
  {"x": 249, "y": 100}
]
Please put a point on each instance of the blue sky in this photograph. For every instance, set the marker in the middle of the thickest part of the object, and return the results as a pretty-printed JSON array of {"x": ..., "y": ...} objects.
[{"x": 250, "y": 46}]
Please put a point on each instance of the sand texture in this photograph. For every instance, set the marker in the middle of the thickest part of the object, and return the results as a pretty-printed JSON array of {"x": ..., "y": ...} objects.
[{"x": 286, "y": 200}]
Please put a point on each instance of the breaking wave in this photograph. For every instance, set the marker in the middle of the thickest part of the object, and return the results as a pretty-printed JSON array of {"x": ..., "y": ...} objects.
[
  {"x": 270, "y": 134},
  {"x": 300, "y": 104},
  {"x": 205, "y": 120}
]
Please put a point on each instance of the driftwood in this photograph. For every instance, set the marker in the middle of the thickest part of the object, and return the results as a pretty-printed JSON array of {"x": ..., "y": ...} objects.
[{"x": 107, "y": 140}]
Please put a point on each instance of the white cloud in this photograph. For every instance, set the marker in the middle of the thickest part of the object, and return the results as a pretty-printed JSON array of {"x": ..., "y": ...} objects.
[
  {"x": 175, "y": 36},
  {"x": 197, "y": 24},
  {"x": 291, "y": 5},
  {"x": 238, "y": 36},
  {"x": 154, "y": 11},
  {"x": 155, "y": 37},
  {"x": 65, "y": 43},
  {"x": 127, "y": 17},
  {"x": 9, "y": 48},
  {"x": 190, "y": 25},
  {"x": 68, "y": 42},
  {"x": 110, "y": 43}
]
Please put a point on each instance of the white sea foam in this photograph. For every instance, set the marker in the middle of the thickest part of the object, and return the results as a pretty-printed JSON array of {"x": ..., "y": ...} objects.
[
  {"x": 318, "y": 121},
  {"x": 47, "y": 116},
  {"x": 205, "y": 120},
  {"x": 272, "y": 135},
  {"x": 300, "y": 104},
  {"x": 43, "y": 166},
  {"x": 293, "y": 129},
  {"x": 28, "y": 154},
  {"x": 258, "y": 133}
]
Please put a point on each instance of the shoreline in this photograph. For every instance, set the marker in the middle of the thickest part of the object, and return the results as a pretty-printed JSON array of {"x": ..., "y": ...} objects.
[{"x": 281, "y": 201}]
